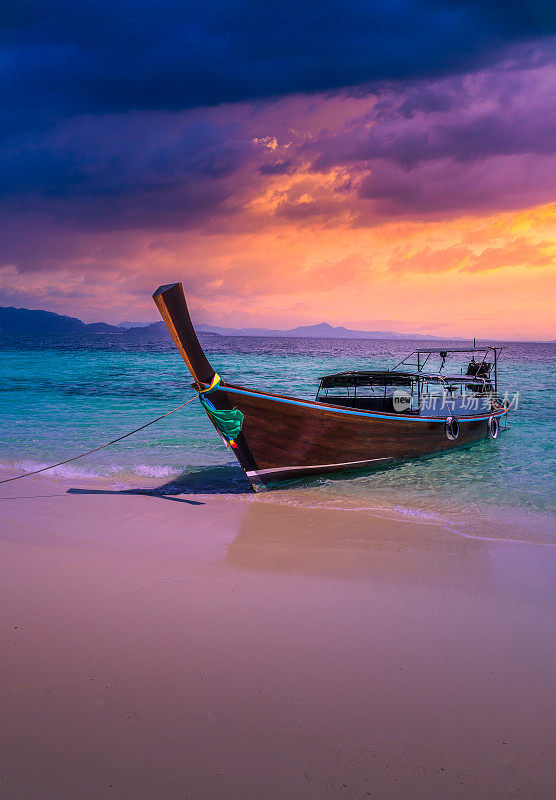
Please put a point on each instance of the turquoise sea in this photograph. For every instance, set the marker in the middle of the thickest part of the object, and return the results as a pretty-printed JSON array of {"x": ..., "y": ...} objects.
[{"x": 60, "y": 396}]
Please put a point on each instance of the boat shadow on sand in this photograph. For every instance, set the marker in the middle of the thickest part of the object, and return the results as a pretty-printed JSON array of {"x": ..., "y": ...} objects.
[
  {"x": 202, "y": 480},
  {"x": 227, "y": 479}
]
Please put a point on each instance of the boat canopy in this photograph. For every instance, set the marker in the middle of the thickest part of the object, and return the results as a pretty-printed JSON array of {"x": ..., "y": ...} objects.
[
  {"x": 391, "y": 378},
  {"x": 365, "y": 378}
]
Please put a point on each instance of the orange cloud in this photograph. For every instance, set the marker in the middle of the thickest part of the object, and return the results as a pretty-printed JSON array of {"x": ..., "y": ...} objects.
[{"x": 487, "y": 276}]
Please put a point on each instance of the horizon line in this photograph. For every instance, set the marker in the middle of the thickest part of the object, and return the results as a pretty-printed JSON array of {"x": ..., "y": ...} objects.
[{"x": 452, "y": 337}]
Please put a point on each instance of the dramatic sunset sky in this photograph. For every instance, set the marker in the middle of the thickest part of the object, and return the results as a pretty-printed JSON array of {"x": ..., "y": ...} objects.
[{"x": 385, "y": 165}]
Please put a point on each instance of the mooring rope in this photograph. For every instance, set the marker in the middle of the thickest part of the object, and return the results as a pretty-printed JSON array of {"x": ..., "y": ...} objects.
[{"x": 101, "y": 447}]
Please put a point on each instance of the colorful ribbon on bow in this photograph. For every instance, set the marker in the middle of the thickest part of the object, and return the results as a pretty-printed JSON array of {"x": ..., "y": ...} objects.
[{"x": 227, "y": 423}]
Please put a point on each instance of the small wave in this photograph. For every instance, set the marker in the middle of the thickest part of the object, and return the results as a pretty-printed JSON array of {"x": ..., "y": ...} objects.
[
  {"x": 21, "y": 467},
  {"x": 454, "y": 527},
  {"x": 64, "y": 471},
  {"x": 153, "y": 470}
]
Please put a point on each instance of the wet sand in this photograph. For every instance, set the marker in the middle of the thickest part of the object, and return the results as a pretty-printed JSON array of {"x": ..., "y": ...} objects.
[{"x": 248, "y": 647}]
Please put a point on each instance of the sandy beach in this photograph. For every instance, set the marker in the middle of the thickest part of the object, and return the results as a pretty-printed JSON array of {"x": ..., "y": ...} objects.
[{"x": 205, "y": 646}]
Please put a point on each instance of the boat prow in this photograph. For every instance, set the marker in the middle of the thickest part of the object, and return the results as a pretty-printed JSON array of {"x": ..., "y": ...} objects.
[{"x": 170, "y": 301}]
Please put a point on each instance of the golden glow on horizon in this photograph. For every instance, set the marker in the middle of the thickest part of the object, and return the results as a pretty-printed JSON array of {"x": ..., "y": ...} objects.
[
  {"x": 490, "y": 276},
  {"x": 485, "y": 276}
]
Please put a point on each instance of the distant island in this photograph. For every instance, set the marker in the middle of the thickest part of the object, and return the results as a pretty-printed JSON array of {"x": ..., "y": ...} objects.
[
  {"x": 321, "y": 331},
  {"x": 24, "y": 322}
]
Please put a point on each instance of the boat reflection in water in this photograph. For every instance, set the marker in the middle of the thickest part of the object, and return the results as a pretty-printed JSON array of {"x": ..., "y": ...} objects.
[{"x": 350, "y": 542}]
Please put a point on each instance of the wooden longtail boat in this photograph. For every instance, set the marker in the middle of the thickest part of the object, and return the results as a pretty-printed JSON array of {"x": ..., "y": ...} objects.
[{"x": 359, "y": 419}]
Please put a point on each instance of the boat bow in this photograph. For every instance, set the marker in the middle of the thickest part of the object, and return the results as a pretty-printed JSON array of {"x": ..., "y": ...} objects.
[{"x": 170, "y": 301}]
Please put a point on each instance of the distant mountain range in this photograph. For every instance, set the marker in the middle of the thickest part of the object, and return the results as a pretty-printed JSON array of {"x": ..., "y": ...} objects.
[
  {"x": 24, "y": 322},
  {"x": 321, "y": 331}
]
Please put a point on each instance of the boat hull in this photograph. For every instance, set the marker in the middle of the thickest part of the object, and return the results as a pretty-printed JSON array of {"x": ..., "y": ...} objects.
[{"x": 284, "y": 437}]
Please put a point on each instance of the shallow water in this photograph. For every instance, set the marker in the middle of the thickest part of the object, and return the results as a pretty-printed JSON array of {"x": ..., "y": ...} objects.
[{"x": 63, "y": 395}]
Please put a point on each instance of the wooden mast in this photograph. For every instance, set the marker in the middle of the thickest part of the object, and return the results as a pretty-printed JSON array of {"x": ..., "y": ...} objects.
[{"x": 170, "y": 301}]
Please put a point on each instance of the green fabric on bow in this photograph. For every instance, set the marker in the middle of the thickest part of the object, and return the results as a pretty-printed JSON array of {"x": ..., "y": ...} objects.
[{"x": 227, "y": 422}]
